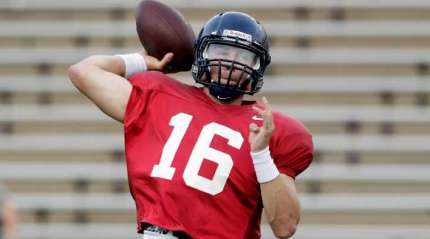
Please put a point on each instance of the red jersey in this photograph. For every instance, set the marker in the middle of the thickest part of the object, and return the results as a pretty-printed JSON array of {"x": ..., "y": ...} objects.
[{"x": 188, "y": 159}]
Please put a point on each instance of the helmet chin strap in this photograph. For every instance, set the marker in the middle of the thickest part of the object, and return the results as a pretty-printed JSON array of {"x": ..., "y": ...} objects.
[{"x": 224, "y": 94}]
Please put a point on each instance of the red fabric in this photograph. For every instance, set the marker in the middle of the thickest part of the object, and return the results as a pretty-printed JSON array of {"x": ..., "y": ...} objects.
[{"x": 235, "y": 211}]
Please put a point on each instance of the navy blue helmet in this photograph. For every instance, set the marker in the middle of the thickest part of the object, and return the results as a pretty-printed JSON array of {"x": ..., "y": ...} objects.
[{"x": 230, "y": 55}]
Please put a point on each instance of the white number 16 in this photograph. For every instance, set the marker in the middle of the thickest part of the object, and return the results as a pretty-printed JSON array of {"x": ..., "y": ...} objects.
[{"x": 201, "y": 151}]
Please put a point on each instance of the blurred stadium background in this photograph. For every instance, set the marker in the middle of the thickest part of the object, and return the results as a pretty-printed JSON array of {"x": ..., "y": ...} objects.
[{"x": 356, "y": 72}]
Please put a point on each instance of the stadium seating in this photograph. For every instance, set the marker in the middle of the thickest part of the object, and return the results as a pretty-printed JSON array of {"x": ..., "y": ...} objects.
[{"x": 355, "y": 72}]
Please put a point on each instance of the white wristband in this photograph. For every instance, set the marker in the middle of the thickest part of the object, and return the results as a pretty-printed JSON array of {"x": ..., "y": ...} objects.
[
  {"x": 134, "y": 63},
  {"x": 264, "y": 166}
]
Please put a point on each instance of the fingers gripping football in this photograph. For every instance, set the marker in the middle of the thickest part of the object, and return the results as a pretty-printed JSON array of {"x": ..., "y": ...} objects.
[
  {"x": 259, "y": 137},
  {"x": 155, "y": 64}
]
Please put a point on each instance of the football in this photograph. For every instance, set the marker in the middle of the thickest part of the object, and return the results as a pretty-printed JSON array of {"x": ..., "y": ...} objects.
[{"x": 163, "y": 29}]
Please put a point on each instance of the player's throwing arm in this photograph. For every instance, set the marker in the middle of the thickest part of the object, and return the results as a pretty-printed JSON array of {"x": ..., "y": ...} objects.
[{"x": 103, "y": 78}]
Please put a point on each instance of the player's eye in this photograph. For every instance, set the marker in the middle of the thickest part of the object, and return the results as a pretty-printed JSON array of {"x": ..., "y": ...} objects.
[
  {"x": 245, "y": 58},
  {"x": 248, "y": 58},
  {"x": 220, "y": 51},
  {"x": 215, "y": 51}
]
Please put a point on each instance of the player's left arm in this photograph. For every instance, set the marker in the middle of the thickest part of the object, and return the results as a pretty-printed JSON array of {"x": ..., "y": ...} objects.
[
  {"x": 9, "y": 218},
  {"x": 280, "y": 199},
  {"x": 281, "y": 205}
]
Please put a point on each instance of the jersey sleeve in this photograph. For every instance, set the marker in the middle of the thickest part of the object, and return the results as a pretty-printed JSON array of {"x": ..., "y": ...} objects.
[
  {"x": 145, "y": 87},
  {"x": 291, "y": 147}
]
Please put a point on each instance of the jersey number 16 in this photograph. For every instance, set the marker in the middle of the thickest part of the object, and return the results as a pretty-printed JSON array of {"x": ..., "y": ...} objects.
[{"x": 200, "y": 152}]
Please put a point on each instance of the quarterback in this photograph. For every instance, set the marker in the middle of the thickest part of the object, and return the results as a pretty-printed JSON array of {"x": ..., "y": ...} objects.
[{"x": 203, "y": 162}]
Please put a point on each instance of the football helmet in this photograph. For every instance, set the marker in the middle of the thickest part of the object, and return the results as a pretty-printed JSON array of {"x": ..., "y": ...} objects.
[{"x": 231, "y": 54}]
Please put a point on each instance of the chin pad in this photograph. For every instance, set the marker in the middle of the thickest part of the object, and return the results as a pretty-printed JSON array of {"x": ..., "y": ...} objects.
[{"x": 223, "y": 93}]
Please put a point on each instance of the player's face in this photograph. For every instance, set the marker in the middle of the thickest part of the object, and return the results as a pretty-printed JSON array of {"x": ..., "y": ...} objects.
[{"x": 243, "y": 56}]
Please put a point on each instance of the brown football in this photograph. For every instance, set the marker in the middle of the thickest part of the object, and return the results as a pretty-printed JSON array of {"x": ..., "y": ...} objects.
[{"x": 163, "y": 29}]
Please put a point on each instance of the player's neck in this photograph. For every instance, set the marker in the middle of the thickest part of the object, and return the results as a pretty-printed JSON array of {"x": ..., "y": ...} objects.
[{"x": 237, "y": 101}]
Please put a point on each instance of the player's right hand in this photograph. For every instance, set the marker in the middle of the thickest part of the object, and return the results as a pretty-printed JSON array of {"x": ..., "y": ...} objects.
[{"x": 154, "y": 64}]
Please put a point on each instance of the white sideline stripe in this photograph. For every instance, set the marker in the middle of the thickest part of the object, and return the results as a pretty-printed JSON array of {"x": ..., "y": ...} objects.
[
  {"x": 310, "y": 202},
  {"x": 380, "y": 143},
  {"x": 366, "y": 173},
  {"x": 274, "y": 28},
  {"x": 348, "y": 55},
  {"x": 345, "y": 84},
  {"x": 63, "y": 171},
  {"x": 365, "y": 113},
  {"x": 316, "y": 172},
  {"x": 347, "y": 28},
  {"x": 280, "y": 55},
  {"x": 209, "y": 4},
  {"x": 77, "y": 231},
  {"x": 309, "y": 231},
  {"x": 36, "y": 84},
  {"x": 52, "y": 113},
  {"x": 332, "y": 113},
  {"x": 323, "y": 142},
  {"x": 75, "y": 142},
  {"x": 73, "y": 201},
  {"x": 272, "y": 84}
]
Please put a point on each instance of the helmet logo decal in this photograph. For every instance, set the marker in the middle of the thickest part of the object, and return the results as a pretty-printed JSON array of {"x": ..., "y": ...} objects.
[{"x": 233, "y": 33}]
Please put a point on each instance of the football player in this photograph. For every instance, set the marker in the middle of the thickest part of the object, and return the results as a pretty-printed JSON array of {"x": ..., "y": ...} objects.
[{"x": 202, "y": 162}]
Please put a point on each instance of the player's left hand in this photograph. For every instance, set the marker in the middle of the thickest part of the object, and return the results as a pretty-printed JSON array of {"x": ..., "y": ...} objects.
[{"x": 259, "y": 137}]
